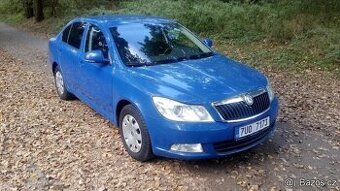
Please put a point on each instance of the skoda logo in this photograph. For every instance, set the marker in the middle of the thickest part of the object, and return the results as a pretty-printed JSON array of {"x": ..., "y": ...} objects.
[{"x": 248, "y": 99}]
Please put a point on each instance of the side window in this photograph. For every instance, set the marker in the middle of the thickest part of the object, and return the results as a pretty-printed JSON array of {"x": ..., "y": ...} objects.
[
  {"x": 76, "y": 34},
  {"x": 96, "y": 41},
  {"x": 66, "y": 33}
]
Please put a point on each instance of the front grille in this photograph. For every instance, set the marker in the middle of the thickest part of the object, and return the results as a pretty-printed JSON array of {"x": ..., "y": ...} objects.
[
  {"x": 241, "y": 110},
  {"x": 229, "y": 146}
]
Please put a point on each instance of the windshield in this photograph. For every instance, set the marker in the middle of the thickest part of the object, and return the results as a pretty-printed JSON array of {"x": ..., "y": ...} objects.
[{"x": 150, "y": 44}]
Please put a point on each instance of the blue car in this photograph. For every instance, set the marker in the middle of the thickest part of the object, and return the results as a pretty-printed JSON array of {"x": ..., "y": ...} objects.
[{"x": 167, "y": 90}]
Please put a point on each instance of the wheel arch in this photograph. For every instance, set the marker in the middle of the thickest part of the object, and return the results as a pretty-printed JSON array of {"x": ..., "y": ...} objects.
[
  {"x": 54, "y": 66},
  {"x": 120, "y": 105},
  {"x": 134, "y": 102}
]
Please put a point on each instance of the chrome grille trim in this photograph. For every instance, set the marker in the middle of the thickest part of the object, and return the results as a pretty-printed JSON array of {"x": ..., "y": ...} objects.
[
  {"x": 238, "y": 98},
  {"x": 234, "y": 106}
]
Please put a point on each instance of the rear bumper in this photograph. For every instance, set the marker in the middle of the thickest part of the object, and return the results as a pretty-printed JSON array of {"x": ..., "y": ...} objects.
[{"x": 217, "y": 138}]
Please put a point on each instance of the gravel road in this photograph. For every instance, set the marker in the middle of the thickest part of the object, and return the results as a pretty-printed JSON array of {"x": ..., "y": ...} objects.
[{"x": 49, "y": 144}]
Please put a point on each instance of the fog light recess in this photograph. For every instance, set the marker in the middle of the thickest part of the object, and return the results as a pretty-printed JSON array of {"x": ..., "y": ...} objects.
[{"x": 192, "y": 148}]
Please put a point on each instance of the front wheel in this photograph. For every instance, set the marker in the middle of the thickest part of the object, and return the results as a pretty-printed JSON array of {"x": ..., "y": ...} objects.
[
  {"x": 134, "y": 134},
  {"x": 63, "y": 93}
]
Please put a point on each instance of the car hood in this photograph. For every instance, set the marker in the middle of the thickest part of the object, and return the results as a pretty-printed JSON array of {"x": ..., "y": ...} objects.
[{"x": 198, "y": 81}]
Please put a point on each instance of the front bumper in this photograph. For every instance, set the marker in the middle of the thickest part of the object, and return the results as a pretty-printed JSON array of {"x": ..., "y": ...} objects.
[{"x": 217, "y": 138}]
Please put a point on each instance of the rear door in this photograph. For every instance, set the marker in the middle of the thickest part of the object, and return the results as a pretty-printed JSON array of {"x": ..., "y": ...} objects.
[
  {"x": 70, "y": 52},
  {"x": 96, "y": 78}
]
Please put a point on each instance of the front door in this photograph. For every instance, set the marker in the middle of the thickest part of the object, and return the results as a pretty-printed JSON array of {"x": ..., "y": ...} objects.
[{"x": 96, "y": 78}]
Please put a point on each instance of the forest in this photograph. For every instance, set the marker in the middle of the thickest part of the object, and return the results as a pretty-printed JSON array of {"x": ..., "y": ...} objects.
[{"x": 285, "y": 34}]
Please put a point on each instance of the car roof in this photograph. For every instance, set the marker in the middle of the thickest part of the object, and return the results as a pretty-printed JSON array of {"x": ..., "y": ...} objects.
[{"x": 116, "y": 20}]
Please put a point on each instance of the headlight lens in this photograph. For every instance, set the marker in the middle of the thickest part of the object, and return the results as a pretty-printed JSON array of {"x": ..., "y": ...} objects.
[
  {"x": 270, "y": 90},
  {"x": 176, "y": 111}
]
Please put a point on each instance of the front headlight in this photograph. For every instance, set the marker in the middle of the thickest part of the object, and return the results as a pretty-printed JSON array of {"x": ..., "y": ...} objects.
[
  {"x": 270, "y": 90},
  {"x": 176, "y": 111}
]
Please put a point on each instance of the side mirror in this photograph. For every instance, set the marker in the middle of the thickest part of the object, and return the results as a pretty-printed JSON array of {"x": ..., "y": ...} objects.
[
  {"x": 95, "y": 56},
  {"x": 208, "y": 42}
]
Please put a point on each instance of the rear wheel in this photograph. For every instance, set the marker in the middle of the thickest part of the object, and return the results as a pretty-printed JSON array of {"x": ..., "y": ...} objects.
[
  {"x": 63, "y": 93},
  {"x": 134, "y": 134}
]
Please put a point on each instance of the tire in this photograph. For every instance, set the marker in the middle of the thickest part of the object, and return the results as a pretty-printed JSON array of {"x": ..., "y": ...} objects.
[
  {"x": 59, "y": 83},
  {"x": 134, "y": 134}
]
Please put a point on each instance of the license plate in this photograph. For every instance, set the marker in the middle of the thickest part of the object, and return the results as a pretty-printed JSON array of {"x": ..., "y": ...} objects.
[{"x": 252, "y": 128}]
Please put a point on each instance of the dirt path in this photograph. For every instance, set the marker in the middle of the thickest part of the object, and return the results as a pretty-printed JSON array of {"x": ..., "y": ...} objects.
[{"x": 46, "y": 143}]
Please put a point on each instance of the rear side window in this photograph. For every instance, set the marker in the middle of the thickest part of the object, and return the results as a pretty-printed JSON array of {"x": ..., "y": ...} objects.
[
  {"x": 76, "y": 34},
  {"x": 66, "y": 33}
]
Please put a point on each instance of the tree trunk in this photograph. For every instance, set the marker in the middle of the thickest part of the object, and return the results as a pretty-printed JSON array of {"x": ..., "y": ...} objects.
[
  {"x": 54, "y": 4},
  {"x": 28, "y": 7},
  {"x": 39, "y": 10}
]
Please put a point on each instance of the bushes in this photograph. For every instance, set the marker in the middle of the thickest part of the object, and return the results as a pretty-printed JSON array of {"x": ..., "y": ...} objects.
[
  {"x": 10, "y": 6},
  {"x": 283, "y": 20},
  {"x": 13, "y": 8},
  {"x": 286, "y": 33}
]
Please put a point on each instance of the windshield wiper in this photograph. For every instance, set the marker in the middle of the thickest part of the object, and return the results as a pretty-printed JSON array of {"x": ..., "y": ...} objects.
[
  {"x": 167, "y": 61},
  {"x": 137, "y": 64},
  {"x": 193, "y": 57},
  {"x": 172, "y": 60},
  {"x": 203, "y": 55}
]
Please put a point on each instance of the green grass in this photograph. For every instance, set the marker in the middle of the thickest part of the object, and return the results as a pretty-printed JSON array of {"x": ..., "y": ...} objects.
[
  {"x": 287, "y": 34},
  {"x": 11, "y": 12},
  {"x": 12, "y": 19}
]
